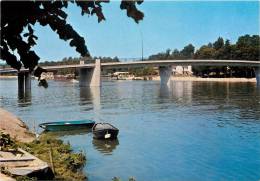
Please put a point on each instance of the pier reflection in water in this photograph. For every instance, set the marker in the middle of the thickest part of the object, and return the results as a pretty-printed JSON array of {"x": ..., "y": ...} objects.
[
  {"x": 91, "y": 95},
  {"x": 24, "y": 98},
  {"x": 177, "y": 90}
]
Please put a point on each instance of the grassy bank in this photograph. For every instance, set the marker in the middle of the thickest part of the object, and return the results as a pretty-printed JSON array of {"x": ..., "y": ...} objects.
[{"x": 65, "y": 164}]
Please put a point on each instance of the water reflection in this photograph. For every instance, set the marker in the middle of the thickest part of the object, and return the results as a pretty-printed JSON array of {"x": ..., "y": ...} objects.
[
  {"x": 81, "y": 131},
  {"x": 178, "y": 92},
  {"x": 214, "y": 96},
  {"x": 90, "y": 95},
  {"x": 182, "y": 90},
  {"x": 225, "y": 97},
  {"x": 164, "y": 91},
  {"x": 24, "y": 98},
  {"x": 105, "y": 147},
  {"x": 85, "y": 95}
]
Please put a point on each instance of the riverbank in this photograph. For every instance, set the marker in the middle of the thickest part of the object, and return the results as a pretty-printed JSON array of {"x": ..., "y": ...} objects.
[
  {"x": 173, "y": 78},
  {"x": 8, "y": 77},
  {"x": 65, "y": 164},
  {"x": 15, "y": 127}
]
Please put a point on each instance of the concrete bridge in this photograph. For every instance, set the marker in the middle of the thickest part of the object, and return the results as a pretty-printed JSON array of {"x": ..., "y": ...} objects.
[{"x": 90, "y": 74}]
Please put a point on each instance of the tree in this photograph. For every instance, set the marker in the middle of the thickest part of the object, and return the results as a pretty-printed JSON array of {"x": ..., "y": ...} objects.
[
  {"x": 247, "y": 47},
  {"x": 168, "y": 53},
  {"x": 188, "y": 51},
  {"x": 175, "y": 54},
  {"x": 205, "y": 52},
  {"x": 17, "y": 16},
  {"x": 224, "y": 52},
  {"x": 218, "y": 44}
]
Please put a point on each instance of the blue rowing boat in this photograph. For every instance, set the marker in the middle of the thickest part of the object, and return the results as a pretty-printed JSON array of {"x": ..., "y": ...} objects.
[{"x": 67, "y": 125}]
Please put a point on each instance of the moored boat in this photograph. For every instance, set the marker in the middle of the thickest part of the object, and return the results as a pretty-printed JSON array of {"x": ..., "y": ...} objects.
[
  {"x": 104, "y": 131},
  {"x": 67, "y": 125},
  {"x": 22, "y": 163}
]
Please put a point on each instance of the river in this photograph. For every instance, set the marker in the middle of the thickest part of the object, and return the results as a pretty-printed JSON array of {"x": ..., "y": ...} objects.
[{"x": 188, "y": 131}]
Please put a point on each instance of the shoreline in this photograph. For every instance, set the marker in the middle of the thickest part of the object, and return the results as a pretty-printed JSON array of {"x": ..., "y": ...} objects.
[
  {"x": 200, "y": 79},
  {"x": 8, "y": 77},
  {"x": 15, "y": 127},
  {"x": 174, "y": 78},
  {"x": 39, "y": 147}
]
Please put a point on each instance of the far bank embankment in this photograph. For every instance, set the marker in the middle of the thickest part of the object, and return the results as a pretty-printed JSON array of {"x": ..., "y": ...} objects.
[
  {"x": 175, "y": 78},
  {"x": 200, "y": 79}
]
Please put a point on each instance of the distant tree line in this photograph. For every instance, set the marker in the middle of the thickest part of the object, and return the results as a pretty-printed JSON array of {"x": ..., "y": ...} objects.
[
  {"x": 143, "y": 71},
  {"x": 246, "y": 48}
]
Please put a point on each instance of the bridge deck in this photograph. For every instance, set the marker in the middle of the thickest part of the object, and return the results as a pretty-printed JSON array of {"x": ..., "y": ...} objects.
[
  {"x": 241, "y": 63},
  {"x": 183, "y": 63}
]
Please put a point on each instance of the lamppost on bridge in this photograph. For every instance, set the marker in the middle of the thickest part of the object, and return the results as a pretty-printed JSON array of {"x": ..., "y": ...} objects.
[{"x": 142, "y": 42}]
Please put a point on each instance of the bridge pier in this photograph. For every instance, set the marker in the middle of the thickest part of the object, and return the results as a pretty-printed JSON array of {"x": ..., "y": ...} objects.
[
  {"x": 20, "y": 82},
  {"x": 90, "y": 77},
  {"x": 257, "y": 75},
  {"x": 24, "y": 81},
  {"x": 165, "y": 73},
  {"x": 24, "y": 87},
  {"x": 27, "y": 81}
]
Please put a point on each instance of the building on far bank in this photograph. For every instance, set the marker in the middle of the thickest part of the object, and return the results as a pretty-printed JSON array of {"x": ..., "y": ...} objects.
[
  {"x": 47, "y": 75},
  {"x": 182, "y": 70}
]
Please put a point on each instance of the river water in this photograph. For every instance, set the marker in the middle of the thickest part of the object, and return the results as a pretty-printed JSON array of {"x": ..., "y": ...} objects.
[{"x": 188, "y": 131}]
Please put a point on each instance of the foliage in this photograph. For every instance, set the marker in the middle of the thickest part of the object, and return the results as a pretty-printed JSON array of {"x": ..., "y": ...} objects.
[
  {"x": 6, "y": 143},
  {"x": 25, "y": 178},
  {"x": 218, "y": 44},
  {"x": 4, "y": 171},
  {"x": 246, "y": 48},
  {"x": 187, "y": 52},
  {"x": 20, "y": 16},
  {"x": 68, "y": 165},
  {"x": 205, "y": 52},
  {"x": 142, "y": 71}
]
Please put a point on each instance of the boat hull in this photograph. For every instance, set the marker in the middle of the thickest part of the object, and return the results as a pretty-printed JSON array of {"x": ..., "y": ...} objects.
[
  {"x": 108, "y": 132},
  {"x": 101, "y": 134},
  {"x": 66, "y": 126}
]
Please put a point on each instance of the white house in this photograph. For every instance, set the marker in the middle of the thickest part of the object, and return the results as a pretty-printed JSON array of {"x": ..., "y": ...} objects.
[{"x": 182, "y": 70}]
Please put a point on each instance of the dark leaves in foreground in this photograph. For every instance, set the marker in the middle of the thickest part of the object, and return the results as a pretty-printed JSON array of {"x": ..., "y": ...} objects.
[{"x": 20, "y": 16}]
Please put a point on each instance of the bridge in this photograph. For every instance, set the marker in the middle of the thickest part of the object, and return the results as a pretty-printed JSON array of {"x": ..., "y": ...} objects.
[{"x": 90, "y": 74}]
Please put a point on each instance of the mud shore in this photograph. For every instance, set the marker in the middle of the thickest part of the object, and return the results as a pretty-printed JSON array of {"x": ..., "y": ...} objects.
[{"x": 15, "y": 127}]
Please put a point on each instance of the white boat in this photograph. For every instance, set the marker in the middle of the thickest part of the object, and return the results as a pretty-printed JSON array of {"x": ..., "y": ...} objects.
[{"x": 74, "y": 81}]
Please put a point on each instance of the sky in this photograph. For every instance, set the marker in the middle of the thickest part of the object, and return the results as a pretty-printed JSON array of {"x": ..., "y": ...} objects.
[{"x": 168, "y": 24}]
